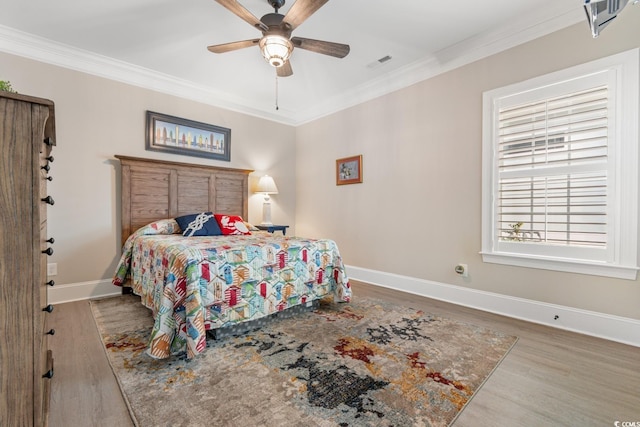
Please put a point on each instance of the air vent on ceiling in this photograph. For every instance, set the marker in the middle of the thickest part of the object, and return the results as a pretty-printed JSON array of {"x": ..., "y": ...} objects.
[{"x": 379, "y": 62}]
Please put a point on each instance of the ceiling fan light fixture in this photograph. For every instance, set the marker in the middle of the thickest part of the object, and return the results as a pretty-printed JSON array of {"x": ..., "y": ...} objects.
[{"x": 276, "y": 49}]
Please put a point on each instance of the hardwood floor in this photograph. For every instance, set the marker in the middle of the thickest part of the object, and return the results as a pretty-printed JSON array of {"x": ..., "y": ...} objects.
[
  {"x": 550, "y": 378},
  {"x": 84, "y": 391}
]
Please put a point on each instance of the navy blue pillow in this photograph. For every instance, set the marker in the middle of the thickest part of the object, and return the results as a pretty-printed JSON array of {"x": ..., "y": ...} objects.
[{"x": 202, "y": 224}]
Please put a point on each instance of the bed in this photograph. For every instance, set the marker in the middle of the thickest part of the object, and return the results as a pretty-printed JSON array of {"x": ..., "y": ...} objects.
[{"x": 207, "y": 284}]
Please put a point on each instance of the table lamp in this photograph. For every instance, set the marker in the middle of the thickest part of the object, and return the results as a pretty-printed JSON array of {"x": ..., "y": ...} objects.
[{"x": 266, "y": 186}]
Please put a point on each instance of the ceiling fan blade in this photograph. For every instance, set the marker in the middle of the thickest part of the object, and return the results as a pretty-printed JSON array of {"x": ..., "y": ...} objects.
[
  {"x": 301, "y": 10},
  {"x": 338, "y": 50},
  {"x": 228, "y": 47},
  {"x": 237, "y": 9},
  {"x": 284, "y": 70}
]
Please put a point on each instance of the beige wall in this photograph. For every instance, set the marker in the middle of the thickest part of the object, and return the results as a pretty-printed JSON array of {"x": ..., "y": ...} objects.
[
  {"x": 418, "y": 212},
  {"x": 97, "y": 118}
]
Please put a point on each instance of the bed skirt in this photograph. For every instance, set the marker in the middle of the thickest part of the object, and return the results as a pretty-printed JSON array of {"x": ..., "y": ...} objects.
[{"x": 244, "y": 327}]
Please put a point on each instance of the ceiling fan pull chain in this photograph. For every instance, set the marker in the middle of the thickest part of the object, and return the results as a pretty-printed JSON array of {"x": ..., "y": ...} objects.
[{"x": 277, "y": 108}]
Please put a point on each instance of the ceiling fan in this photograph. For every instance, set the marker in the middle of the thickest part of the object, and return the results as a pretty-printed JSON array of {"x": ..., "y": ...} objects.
[{"x": 276, "y": 43}]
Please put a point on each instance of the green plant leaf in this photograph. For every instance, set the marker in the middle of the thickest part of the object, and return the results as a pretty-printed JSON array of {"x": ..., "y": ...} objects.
[{"x": 5, "y": 86}]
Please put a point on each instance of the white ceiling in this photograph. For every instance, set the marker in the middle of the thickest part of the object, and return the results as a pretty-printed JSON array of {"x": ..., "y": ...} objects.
[{"x": 161, "y": 44}]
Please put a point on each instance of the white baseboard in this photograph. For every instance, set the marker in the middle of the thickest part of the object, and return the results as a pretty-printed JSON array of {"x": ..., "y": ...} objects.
[
  {"x": 610, "y": 327},
  {"x": 80, "y": 291}
]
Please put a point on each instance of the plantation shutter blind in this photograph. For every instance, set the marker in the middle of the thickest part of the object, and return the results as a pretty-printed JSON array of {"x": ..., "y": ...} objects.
[{"x": 552, "y": 159}]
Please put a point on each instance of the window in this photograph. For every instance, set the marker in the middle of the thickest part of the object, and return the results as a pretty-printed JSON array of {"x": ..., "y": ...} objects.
[{"x": 560, "y": 170}]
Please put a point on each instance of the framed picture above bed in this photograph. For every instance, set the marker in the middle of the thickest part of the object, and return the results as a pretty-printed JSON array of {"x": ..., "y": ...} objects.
[
  {"x": 171, "y": 134},
  {"x": 349, "y": 170}
]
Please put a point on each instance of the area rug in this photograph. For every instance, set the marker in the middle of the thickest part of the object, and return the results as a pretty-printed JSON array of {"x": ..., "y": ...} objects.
[{"x": 366, "y": 363}]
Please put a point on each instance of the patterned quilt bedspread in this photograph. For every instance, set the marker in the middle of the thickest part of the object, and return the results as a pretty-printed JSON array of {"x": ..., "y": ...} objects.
[{"x": 193, "y": 284}]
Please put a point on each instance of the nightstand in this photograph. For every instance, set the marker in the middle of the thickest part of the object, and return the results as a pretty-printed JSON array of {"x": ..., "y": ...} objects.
[{"x": 272, "y": 228}]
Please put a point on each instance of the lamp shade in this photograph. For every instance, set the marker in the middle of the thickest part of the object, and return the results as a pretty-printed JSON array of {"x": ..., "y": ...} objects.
[
  {"x": 267, "y": 185},
  {"x": 276, "y": 49}
]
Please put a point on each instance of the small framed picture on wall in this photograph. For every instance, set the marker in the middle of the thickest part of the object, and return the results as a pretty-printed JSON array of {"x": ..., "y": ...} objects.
[{"x": 349, "y": 170}]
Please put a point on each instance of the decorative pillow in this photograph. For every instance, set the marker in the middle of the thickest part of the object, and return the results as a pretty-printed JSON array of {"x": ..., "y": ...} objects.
[
  {"x": 162, "y": 226},
  {"x": 202, "y": 224},
  {"x": 232, "y": 224},
  {"x": 251, "y": 227}
]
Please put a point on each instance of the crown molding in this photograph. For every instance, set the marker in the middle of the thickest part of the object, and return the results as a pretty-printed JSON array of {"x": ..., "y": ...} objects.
[
  {"x": 470, "y": 50},
  {"x": 30, "y": 46},
  {"x": 27, "y": 45}
]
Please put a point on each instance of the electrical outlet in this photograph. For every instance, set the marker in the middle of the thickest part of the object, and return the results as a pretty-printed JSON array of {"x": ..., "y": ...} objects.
[
  {"x": 462, "y": 270},
  {"x": 52, "y": 269}
]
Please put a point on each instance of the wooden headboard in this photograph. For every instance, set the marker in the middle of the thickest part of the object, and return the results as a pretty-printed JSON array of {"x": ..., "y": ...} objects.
[{"x": 158, "y": 189}]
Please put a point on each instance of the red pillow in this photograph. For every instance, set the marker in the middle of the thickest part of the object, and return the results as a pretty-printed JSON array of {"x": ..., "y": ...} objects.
[{"x": 231, "y": 224}]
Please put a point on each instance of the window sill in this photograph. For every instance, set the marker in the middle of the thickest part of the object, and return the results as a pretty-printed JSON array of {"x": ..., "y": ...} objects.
[{"x": 564, "y": 265}]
